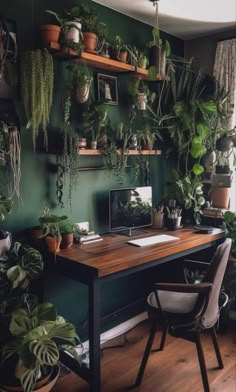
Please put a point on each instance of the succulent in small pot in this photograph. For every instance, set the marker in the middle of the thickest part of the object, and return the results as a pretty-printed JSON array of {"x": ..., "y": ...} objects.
[{"x": 142, "y": 60}]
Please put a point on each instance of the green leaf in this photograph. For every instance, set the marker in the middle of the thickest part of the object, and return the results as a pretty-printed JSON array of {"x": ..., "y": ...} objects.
[
  {"x": 188, "y": 204},
  {"x": 28, "y": 379},
  {"x": 202, "y": 130},
  {"x": 198, "y": 169},
  {"x": 197, "y": 150},
  {"x": 201, "y": 201},
  {"x": 45, "y": 312},
  {"x": 152, "y": 72},
  {"x": 8, "y": 350},
  {"x": 20, "y": 323},
  {"x": 46, "y": 351},
  {"x": 155, "y": 33}
]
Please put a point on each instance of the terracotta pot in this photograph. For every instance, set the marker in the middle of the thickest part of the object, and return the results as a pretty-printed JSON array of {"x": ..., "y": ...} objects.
[
  {"x": 35, "y": 235},
  {"x": 71, "y": 31},
  {"x": 82, "y": 92},
  {"x": 220, "y": 197},
  {"x": 53, "y": 244},
  {"x": 123, "y": 56},
  {"x": 50, "y": 33},
  {"x": 90, "y": 42},
  {"x": 44, "y": 382},
  {"x": 66, "y": 240}
]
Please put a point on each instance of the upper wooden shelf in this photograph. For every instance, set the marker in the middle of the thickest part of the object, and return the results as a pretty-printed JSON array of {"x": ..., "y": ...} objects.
[
  {"x": 130, "y": 152},
  {"x": 90, "y": 59},
  {"x": 93, "y": 60},
  {"x": 96, "y": 61}
]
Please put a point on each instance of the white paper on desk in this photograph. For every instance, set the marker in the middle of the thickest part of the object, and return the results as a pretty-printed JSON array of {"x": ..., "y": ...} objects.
[{"x": 156, "y": 239}]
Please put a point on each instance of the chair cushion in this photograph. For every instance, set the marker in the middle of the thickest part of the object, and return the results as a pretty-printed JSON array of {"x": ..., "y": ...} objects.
[{"x": 173, "y": 302}]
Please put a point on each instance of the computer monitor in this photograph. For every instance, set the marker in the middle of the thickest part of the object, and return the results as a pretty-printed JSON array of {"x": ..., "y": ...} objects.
[{"x": 129, "y": 209}]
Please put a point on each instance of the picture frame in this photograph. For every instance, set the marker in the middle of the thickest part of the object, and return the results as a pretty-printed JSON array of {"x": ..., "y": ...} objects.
[{"x": 107, "y": 89}]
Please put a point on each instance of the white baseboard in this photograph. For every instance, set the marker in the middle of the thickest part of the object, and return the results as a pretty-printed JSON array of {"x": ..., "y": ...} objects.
[{"x": 115, "y": 332}]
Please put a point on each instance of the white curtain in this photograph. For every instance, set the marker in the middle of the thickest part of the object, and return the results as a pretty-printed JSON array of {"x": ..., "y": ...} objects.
[{"x": 225, "y": 73}]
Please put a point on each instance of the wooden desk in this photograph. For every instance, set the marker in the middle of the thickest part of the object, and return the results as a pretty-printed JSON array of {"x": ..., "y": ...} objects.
[{"x": 112, "y": 258}]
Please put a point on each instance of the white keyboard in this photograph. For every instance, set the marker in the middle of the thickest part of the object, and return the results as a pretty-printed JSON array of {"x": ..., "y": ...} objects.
[{"x": 156, "y": 239}]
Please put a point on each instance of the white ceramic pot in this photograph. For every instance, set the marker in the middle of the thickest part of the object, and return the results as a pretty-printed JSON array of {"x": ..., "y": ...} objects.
[
  {"x": 141, "y": 101},
  {"x": 94, "y": 144},
  {"x": 5, "y": 243},
  {"x": 82, "y": 92},
  {"x": 72, "y": 31}
]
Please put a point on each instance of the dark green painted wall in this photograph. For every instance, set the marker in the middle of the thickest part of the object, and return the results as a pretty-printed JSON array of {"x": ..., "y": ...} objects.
[{"x": 89, "y": 202}]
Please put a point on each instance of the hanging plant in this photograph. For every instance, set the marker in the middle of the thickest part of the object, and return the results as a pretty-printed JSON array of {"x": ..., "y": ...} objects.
[
  {"x": 69, "y": 161},
  {"x": 10, "y": 157},
  {"x": 37, "y": 77}
]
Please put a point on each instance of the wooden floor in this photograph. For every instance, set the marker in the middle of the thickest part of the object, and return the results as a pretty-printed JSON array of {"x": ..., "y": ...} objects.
[{"x": 175, "y": 369}]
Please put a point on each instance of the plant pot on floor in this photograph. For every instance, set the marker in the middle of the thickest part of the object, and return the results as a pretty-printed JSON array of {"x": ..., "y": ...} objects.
[
  {"x": 45, "y": 384},
  {"x": 220, "y": 197},
  {"x": 49, "y": 33},
  {"x": 90, "y": 42},
  {"x": 66, "y": 240}
]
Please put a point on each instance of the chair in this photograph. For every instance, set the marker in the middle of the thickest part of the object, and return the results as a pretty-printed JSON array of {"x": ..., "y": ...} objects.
[{"x": 185, "y": 310}]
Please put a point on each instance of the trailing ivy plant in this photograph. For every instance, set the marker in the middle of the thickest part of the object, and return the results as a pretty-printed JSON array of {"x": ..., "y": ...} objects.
[{"x": 37, "y": 77}]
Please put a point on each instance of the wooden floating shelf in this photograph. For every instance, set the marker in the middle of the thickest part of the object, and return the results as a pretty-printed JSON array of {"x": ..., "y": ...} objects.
[
  {"x": 130, "y": 152},
  {"x": 93, "y": 60},
  {"x": 96, "y": 61},
  {"x": 142, "y": 73}
]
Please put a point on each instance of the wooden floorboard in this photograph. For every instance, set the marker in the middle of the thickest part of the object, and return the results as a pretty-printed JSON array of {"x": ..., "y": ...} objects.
[{"x": 175, "y": 369}]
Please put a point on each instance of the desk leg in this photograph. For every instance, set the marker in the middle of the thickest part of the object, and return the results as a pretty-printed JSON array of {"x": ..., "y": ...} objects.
[{"x": 94, "y": 336}]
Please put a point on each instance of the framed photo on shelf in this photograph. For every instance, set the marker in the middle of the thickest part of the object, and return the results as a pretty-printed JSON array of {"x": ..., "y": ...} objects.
[{"x": 107, "y": 89}]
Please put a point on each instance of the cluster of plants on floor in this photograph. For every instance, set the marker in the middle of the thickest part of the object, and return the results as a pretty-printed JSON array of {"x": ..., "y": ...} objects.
[{"x": 31, "y": 333}]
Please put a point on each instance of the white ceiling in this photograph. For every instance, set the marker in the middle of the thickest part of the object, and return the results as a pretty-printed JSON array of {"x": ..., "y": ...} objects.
[{"x": 185, "y": 19}]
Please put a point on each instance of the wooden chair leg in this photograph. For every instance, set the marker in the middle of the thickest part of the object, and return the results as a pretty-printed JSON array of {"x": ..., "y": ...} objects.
[
  {"x": 146, "y": 353},
  {"x": 202, "y": 364},
  {"x": 163, "y": 339},
  {"x": 216, "y": 347}
]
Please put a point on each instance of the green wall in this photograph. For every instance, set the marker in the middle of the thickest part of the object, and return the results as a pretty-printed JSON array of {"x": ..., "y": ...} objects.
[{"x": 89, "y": 202}]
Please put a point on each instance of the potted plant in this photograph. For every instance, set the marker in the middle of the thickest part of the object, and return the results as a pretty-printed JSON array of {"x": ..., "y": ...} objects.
[
  {"x": 91, "y": 28},
  {"x": 159, "y": 50},
  {"x": 96, "y": 122},
  {"x": 143, "y": 61},
  {"x": 67, "y": 229},
  {"x": 32, "y": 334},
  {"x": 147, "y": 137},
  {"x": 81, "y": 81},
  {"x": 70, "y": 25},
  {"x": 49, "y": 224}
]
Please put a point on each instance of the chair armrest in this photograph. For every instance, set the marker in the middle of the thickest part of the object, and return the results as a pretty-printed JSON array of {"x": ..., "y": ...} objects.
[{"x": 199, "y": 288}]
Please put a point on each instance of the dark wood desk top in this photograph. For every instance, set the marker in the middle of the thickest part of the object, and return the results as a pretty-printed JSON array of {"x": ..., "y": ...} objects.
[{"x": 113, "y": 254}]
